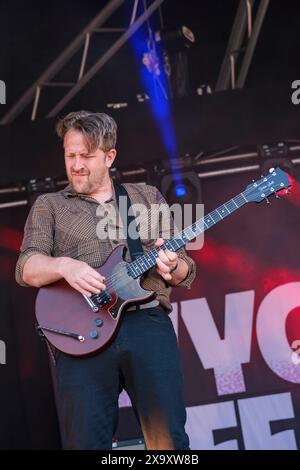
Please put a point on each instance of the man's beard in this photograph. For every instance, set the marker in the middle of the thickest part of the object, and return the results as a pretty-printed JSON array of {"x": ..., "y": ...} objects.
[{"x": 84, "y": 185}]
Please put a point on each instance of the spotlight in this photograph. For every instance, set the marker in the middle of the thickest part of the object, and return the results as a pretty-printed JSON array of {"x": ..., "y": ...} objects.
[
  {"x": 187, "y": 193},
  {"x": 180, "y": 190},
  {"x": 141, "y": 97},
  {"x": 204, "y": 90},
  {"x": 182, "y": 37},
  {"x": 188, "y": 34}
]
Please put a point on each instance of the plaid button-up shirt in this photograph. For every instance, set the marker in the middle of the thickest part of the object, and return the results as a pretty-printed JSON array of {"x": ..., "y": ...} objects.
[{"x": 69, "y": 224}]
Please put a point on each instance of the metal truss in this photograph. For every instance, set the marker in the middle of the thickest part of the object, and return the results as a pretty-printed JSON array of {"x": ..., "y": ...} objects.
[
  {"x": 244, "y": 22},
  {"x": 83, "y": 40},
  {"x": 205, "y": 169}
]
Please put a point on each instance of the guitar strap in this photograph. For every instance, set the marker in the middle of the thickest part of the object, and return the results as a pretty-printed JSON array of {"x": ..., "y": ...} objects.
[{"x": 134, "y": 244}]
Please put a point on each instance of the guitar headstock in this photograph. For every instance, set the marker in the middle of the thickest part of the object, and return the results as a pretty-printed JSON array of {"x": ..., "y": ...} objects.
[{"x": 270, "y": 184}]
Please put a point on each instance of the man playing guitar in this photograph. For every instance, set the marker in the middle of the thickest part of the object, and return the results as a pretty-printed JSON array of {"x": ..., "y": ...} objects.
[{"x": 62, "y": 247}]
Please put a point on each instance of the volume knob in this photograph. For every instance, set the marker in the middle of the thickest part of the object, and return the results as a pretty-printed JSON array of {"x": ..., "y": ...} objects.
[{"x": 94, "y": 334}]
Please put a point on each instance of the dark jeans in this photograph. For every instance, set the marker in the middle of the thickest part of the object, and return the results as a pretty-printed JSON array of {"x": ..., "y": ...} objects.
[{"x": 144, "y": 360}]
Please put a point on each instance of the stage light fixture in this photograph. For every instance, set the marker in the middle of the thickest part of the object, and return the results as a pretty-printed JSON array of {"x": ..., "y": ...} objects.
[
  {"x": 273, "y": 150},
  {"x": 204, "y": 90},
  {"x": 275, "y": 154},
  {"x": 115, "y": 174},
  {"x": 187, "y": 193},
  {"x": 174, "y": 45},
  {"x": 117, "y": 105},
  {"x": 142, "y": 97},
  {"x": 176, "y": 39},
  {"x": 180, "y": 190},
  {"x": 37, "y": 186}
]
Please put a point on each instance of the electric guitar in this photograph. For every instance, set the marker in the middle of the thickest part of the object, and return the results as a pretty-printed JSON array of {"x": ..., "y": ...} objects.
[{"x": 79, "y": 325}]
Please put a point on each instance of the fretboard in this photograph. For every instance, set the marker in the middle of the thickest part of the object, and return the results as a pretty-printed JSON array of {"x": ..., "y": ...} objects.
[{"x": 148, "y": 260}]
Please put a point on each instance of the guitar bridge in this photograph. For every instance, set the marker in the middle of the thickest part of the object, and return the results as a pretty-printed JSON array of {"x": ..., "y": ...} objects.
[{"x": 97, "y": 301}]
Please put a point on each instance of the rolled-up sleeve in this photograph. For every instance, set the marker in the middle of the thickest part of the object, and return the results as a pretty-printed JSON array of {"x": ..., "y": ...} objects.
[
  {"x": 38, "y": 235},
  {"x": 167, "y": 229}
]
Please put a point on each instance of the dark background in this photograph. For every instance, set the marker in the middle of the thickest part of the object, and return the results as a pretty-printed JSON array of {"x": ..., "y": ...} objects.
[{"x": 32, "y": 34}]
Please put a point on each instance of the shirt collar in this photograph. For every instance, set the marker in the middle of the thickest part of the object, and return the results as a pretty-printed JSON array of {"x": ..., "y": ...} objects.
[{"x": 68, "y": 192}]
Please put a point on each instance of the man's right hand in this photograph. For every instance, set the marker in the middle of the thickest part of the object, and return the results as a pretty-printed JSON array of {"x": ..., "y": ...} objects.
[{"x": 82, "y": 277}]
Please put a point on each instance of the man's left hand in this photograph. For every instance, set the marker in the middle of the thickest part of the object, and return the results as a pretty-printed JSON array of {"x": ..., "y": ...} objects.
[{"x": 166, "y": 261}]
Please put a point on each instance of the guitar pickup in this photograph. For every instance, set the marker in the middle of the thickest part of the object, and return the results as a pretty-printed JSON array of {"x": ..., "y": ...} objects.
[{"x": 101, "y": 299}]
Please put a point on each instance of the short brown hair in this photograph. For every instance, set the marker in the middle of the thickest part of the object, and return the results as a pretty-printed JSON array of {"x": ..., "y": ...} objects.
[{"x": 98, "y": 129}]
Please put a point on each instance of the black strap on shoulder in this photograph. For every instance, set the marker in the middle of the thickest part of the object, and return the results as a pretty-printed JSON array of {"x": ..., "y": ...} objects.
[{"x": 127, "y": 216}]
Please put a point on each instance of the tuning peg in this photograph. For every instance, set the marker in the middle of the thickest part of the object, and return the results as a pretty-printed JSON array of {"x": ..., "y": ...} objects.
[
  {"x": 277, "y": 196},
  {"x": 268, "y": 202},
  {"x": 288, "y": 191}
]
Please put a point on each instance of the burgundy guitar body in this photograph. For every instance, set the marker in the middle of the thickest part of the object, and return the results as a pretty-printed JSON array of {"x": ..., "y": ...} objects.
[{"x": 61, "y": 308}]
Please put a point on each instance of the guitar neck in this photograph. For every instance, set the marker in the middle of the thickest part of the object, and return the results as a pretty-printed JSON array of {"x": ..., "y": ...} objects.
[{"x": 141, "y": 265}]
